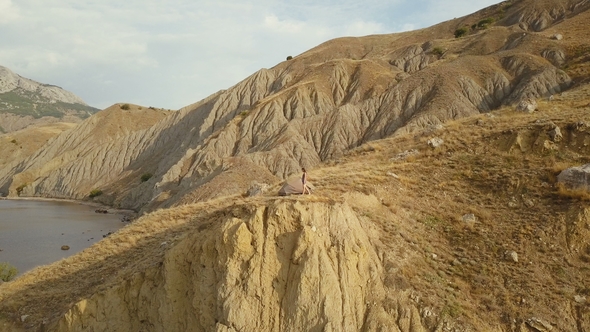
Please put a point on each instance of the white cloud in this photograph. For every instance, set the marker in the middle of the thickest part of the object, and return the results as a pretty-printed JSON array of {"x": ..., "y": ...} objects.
[
  {"x": 289, "y": 26},
  {"x": 8, "y": 12},
  {"x": 362, "y": 28},
  {"x": 408, "y": 27}
]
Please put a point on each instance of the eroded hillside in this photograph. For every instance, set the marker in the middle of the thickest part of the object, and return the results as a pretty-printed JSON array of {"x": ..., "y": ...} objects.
[
  {"x": 320, "y": 104},
  {"x": 473, "y": 235}
]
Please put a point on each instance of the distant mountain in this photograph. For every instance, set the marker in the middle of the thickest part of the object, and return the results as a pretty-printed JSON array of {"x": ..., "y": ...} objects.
[{"x": 24, "y": 102}]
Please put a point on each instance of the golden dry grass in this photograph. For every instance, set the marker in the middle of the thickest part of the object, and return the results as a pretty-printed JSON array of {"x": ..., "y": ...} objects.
[
  {"x": 21, "y": 144},
  {"x": 495, "y": 166},
  {"x": 415, "y": 208}
]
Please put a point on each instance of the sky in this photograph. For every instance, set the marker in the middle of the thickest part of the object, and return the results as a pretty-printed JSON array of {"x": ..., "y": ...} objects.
[{"x": 173, "y": 53}]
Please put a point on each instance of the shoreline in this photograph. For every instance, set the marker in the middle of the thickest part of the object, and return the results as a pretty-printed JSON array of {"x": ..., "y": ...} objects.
[{"x": 109, "y": 209}]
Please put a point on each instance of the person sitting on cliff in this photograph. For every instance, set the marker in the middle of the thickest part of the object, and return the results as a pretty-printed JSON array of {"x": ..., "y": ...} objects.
[{"x": 304, "y": 182}]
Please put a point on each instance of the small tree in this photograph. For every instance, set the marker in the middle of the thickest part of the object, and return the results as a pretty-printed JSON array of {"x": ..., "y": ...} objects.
[
  {"x": 7, "y": 272},
  {"x": 289, "y": 58},
  {"x": 125, "y": 106}
]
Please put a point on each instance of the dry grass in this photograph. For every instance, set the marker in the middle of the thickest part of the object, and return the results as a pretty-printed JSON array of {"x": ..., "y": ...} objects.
[
  {"x": 493, "y": 166},
  {"x": 580, "y": 194},
  {"x": 457, "y": 269},
  {"x": 18, "y": 145},
  {"x": 480, "y": 169}
]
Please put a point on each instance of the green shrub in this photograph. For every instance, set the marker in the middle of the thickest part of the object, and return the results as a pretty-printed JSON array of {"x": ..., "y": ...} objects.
[
  {"x": 125, "y": 106},
  {"x": 13, "y": 141},
  {"x": 95, "y": 193},
  {"x": 146, "y": 177},
  {"x": 7, "y": 272},
  {"x": 483, "y": 24},
  {"x": 438, "y": 51},
  {"x": 461, "y": 32},
  {"x": 289, "y": 58}
]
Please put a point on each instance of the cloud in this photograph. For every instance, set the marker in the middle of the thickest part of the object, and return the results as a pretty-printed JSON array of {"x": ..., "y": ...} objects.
[
  {"x": 289, "y": 26},
  {"x": 363, "y": 28},
  {"x": 8, "y": 12}
]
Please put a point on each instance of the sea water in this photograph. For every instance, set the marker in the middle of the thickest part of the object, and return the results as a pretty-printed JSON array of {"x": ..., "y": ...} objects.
[{"x": 33, "y": 232}]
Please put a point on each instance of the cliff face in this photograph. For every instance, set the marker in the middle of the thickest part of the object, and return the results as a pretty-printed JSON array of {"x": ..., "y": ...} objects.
[
  {"x": 284, "y": 267},
  {"x": 317, "y": 106}
]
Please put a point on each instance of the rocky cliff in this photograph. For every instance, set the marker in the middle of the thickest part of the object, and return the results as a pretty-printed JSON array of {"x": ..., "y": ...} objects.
[{"x": 264, "y": 266}]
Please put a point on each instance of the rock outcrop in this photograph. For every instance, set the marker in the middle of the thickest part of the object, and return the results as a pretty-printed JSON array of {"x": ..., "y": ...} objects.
[
  {"x": 576, "y": 178},
  {"x": 277, "y": 266}
]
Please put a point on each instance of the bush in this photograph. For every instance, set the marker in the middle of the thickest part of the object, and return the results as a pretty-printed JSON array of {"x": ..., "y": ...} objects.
[
  {"x": 461, "y": 32},
  {"x": 95, "y": 193},
  {"x": 125, "y": 106},
  {"x": 146, "y": 177},
  {"x": 289, "y": 58},
  {"x": 7, "y": 272},
  {"x": 483, "y": 24},
  {"x": 20, "y": 188},
  {"x": 13, "y": 141},
  {"x": 438, "y": 51}
]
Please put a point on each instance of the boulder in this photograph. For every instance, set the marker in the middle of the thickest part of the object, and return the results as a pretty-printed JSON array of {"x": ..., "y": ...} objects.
[
  {"x": 469, "y": 219},
  {"x": 555, "y": 134},
  {"x": 557, "y": 36},
  {"x": 435, "y": 142},
  {"x": 527, "y": 105},
  {"x": 511, "y": 256},
  {"x": 539, "y": 324},
  {"x": 575, "y": 177},
  {"x": 257, "y": 189}
]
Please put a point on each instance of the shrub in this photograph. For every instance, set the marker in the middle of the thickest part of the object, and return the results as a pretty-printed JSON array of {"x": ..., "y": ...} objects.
[
  {"x": 438, "y": 51},
  {"x": 95, "y": 193},
  {"x": 146, "y": 177},
  {"x": 461, "y": 32},
  {"x": 20, "y": 188},
  {"x": 7, "y": 272},
  {"x": 125, "y": 106},
  {"x": 483, "y": 24},
  {"x": 13, "y": 141},
  {"x": 289, "y": 58}
]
